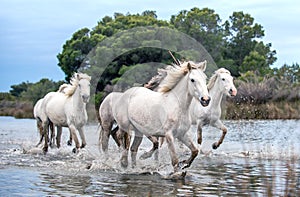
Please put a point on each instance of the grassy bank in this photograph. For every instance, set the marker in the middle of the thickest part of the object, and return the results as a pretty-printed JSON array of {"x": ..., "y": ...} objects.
[
  {"x": 231, "y": 110},
  {"x": 270, "y": 110},
  {"x": 17, "y": 109}
]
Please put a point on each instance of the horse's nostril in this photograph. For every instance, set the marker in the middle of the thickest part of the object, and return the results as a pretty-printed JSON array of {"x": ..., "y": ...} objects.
[{"x": 206, "y": 98}]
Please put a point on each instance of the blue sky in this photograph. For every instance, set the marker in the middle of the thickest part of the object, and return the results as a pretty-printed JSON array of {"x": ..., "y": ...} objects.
[{"x": 33, "y": 31}]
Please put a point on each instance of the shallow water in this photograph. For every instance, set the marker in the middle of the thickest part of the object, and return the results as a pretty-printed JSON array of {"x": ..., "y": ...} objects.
[{"x": 257, "y": 158}]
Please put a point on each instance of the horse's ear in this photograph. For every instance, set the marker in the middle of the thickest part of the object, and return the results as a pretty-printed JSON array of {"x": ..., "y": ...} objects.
[
  {"x": 189, "y": 66},
  {"x": 203, "y": 65}
]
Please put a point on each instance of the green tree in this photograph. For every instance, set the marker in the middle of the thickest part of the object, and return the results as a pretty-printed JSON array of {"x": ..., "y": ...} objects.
[
  {"x": 16, "y": 90},
  {"x": 38, "y": 90},
  {"x": 205, "y": 26},
  {"x": 75, "y": 51},
  {"x": 242, "y": 35}
]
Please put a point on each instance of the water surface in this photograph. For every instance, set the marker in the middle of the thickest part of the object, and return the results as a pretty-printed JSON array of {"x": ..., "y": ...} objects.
[{"x": 257, "y": 158}]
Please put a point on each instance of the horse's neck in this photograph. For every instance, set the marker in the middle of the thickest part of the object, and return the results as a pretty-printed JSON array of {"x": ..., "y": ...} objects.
[
  {"x": 79, "y": 105},
  {"x": 216, "y": 98},
  {"x": 181, "y": 93}
]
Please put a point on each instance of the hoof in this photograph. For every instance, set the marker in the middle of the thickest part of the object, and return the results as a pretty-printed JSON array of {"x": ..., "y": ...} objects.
[
  {"x": 215, "y": 145},
  {"x": 69, "y": 143},
  {"x": 176, "y": 176},
  {"x": 83, "y": 145},
  {"x": 45, "y": 150},
  {"x": 75, "y": 150},
  {"x": 182, "y": 165},
  {"x": 146, "y": 155},
  {"x": 199, "y": 141},
  {"x": 124, "y": 164}
]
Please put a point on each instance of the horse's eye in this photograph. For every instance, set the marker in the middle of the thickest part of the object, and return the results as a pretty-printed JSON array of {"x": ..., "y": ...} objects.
[
  {"x": 223, "y": 79},
  {"x": 192, "y": 80}
]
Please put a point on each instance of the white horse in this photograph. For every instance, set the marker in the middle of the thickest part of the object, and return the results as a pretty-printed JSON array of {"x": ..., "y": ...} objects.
[
  {"x": 107, "y": 121},
  {"x": 221, "y": 83},
  {"x": 164, "y": 113},
  {"x": 37, "y": 111},
  {"x": 68, "y": 109}
]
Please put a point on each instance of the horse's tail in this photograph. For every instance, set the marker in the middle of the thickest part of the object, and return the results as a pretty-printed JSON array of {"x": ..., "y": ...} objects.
[{"x": 99, "y": 130}]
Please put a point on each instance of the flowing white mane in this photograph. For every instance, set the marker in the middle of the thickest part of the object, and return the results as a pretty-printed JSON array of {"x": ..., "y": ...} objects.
[
  {"x": 175, "y": 73},
  {"x": 213, "y": 78},
  {"x": 69, "y": 89}
]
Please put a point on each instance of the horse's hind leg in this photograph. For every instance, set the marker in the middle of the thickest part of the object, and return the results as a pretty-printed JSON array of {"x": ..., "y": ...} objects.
[
  {"x": 155, "y": 143},
  {"x": 125, "y": 145},
  {"x": 116, "y": 136},
  {"x": 40, "y": 128},
  {"x": 69, "y": 142},
  {"x": 138, "y": 137},
  {"x": 46, "y": 137},
  {"x": 52, "y": 134},
  {"x": 58, "y": 136},
  {"x": 104, "y": 136},
  {"x": 82, "y": 136}
]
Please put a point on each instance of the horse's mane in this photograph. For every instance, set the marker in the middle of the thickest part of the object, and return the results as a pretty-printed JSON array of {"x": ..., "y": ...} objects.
[
  {"x": 69, "y": 89},
  {"x": 213, "y": 78},
  {"x": 175, "y": 73}
]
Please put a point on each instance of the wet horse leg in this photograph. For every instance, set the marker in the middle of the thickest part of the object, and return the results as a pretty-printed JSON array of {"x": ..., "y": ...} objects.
[
  {"x": 194, "y": 151},
  {"x": 82, "y": 136},
  {"x": 116, "y": 136},
  {"x": 52, "y": 142},
  {"x": 224, "y": 131},
  {"x": 74, "y": 136},
  {"x": 170, "y": 141},
  {"x": 45, "y": 134},
  {"x": 199, "y": 134},
  {"x": 58, "y": 136},
  {"x": 125, "y": 145},
  {"x": 155, "y": 143},
  {"x": 69, "y": 142},
  {"x": 138, "y": 137},
  {"x": 40, "y": 128},
  {"x": 105, "y": 130}
]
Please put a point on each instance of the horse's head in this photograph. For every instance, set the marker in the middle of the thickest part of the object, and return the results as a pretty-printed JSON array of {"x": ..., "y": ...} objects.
[
  {"x": 225, "y": 82},
  {"x": 197, "y": 82},
  {"x": 84, "y": 86}
]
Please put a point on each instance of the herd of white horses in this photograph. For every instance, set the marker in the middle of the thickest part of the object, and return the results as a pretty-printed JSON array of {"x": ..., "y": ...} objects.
[{"x": 181, "y": 98}]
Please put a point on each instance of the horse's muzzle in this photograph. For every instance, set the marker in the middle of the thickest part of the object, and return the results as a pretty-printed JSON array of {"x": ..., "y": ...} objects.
[
  {"x": 204, "y": 101},
  {"x": 232, "y": 92},
  {"x": 85, "y": 98}
]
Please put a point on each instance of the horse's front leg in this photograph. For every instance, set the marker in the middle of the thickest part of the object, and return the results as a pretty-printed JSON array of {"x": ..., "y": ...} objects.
[
  {"x": 155, "y": 143},
  {"x": 74, "y": 136},
  {"x": 82, "y": 136},
  {"x": 221, "y": 126},
  {"x": 199, "y": 133},
  {"x": 194, "y": 151}
]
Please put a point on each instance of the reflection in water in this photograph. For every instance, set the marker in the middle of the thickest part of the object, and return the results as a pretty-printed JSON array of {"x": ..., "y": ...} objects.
[
  {"x": 64, "y": 184},
  {"x": 257, "y": 158}
]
